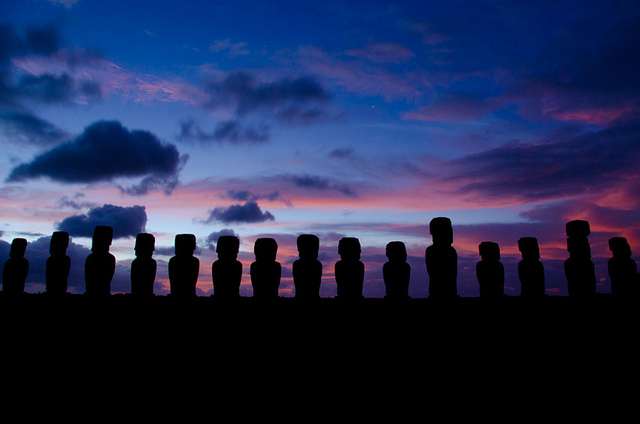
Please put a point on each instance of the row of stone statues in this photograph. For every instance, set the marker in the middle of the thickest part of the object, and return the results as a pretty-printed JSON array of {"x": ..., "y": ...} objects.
[{"x": 440, "y": 258}]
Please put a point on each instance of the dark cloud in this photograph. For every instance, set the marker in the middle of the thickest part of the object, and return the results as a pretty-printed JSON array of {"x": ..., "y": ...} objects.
[
  {"x": 574, "y": 164},
  {"x": 347, "y": 153},
  {"x": 55, "y": 89},
  {"x": 246, "y": 195},
  {"x": 76, "y": 202},
  {"x": 27, "y": 127},
  {"x": 126, "y": 221},
  {"x": 250, "y": 212},
  {"x": 232, "y": 131},
  {"x": 20, "y": 91},
  {"x": 41, "y": 40},
  {"x": 212, "y": 238},
  {"x": 287, "y": 99},
  {"x": 103, "y": 152},
  {"x": 316, "y": 183}
]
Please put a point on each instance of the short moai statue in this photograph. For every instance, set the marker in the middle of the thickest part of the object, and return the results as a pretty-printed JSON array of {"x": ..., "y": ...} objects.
[
  {"x": 490, "y": 271},
  {"x": 307, "y": 269},
  {"x": 227, "y": 270},
  {"x": 578, "y": 268},
  {"x": 396, "y": 272},
  {"x": 265, "y": 270},
  {"x": 530, "y": 269},
  {"x": 58, "y": 264},
  {"x": 100, "y": 265},
  {"x": 184, "y": 267},
  {"x": 441, "y": 259},
  {"x": 623, "y": 270},
  {"x": 16, "y": 268},
  {"x": 143, "y": 267},
  {"x": 349, "y": 271}
]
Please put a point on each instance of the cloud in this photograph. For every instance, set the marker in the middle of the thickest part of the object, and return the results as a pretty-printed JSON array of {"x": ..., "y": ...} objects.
[
  {"x": 126, "y": 221},
  {"x": 212, "y": 238},
  {"x": 573, "y": 164},
  {"x": 38, "y": 40},
  {"x": 455, "y": 107},
  {"x": 383, "y": 53},
  {"x": 287, "y": 99},
  {"x": 250, "y": 212},
  {"x": 232, "y": 49},
  {"x": 246, "y": 195},
  {"x": 317, "y": 183},
  {"x": 25, "y": 126},
  {"x": 232, "y": 131},
  {"x": 105, "y": 151}
]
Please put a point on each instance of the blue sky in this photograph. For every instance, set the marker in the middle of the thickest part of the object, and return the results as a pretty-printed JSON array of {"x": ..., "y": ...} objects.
[{"x": 362, "y": 119}]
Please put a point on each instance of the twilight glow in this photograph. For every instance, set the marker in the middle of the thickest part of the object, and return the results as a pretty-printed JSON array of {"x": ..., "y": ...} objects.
[{"x": 345, "y": 118}]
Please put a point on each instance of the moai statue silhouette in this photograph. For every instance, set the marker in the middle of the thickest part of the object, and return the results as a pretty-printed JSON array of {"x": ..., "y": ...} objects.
[
  {"x": 442, "y": 260},
  {"x": 623, "y": 270},
  {"x": 143, "y": 267},
  {"x": 265, "y": 271},
  {"x": 578, "y": 268},
  {"x": 396, "y": 272},
  {"x": 184, "y": 267},
  {"x": 58, "y": 264},
  {"x": 530, "y": 269},
  {"x": 100, "y": 265},
  {"x": 490, "y": 271},
  {"x": 227, "y": 270},
  {"x": 16, "y": 268},
  {"x": 349, "y": 270},
  {"x": 307, "y": 270}
]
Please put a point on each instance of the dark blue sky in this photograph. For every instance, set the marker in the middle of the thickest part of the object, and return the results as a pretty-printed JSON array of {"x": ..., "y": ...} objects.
[{"x": 362, "y": 119}]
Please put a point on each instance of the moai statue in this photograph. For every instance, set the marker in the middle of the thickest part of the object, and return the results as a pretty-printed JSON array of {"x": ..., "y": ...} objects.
[
  {"x": 16, "y": 268},
  {"x": 530, "y": 269},
  {"x": 227, "y": 270},
  {"x": 265, "y": 271},
  {"x": 442, "y": 260},
  {"x": 490, "y": 271},
  {"x": 578, "y": 268},
  {"x": 100, "y": 265},
  {"x": 623, "y": 270},
  {"x": 349, "y": 270},
  {"x": 143, "y": 267},
  {"x": 58, "y": 264},
  {"x": 396, "y": 272},
  {"x": 184, "y": 267},
  {"x": 307, "y": 270}
]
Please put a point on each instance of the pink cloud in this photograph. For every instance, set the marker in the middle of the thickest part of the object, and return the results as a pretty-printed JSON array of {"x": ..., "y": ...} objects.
[{"x": 112, "y": 78}]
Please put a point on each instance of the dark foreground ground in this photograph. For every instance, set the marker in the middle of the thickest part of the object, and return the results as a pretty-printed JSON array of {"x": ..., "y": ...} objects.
[
  {"x": 327, "y": 321},
  {"x": 510, "y": 358}
]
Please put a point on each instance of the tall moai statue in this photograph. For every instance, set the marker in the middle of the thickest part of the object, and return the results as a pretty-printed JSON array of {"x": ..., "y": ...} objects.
[
  {"x": 530, "y": 269},
  {"x": 349, "y": 270},
  {"x": 227, "y": 270},
  {"x": 396, "y": 273},
  {"x": 58, "y": 264},
  {"x": 265, "y": 270},
  {"x": 307, "y": 269},
  {"x": 490, "y": 271},
  {"x": 143, "y": 267},
  {"x": 100, "y": 265},
  {"x": 578, "y": 268},
  {"x": 16, "y": 268},
  {"x": 442, "y": 260},
  {"x": 184, "y": 267},
  {"x": 623, "y": 271}
]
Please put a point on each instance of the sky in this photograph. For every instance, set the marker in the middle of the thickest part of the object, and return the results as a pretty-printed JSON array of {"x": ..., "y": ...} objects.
[{"x": 340, "y": 118}]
